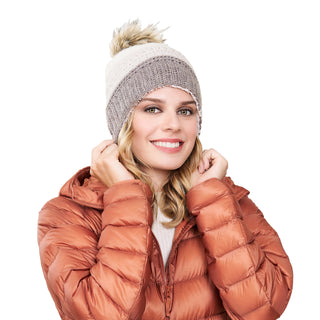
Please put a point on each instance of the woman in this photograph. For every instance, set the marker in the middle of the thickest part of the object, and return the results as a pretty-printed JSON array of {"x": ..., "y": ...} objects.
[{"x": 154, "y": 229}]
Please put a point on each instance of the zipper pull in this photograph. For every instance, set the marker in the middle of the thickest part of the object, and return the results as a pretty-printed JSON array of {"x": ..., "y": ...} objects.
[{"x": 168, "y": 300}]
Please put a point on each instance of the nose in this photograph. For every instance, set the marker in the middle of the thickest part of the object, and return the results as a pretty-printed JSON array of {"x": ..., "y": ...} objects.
[{"x": 170, "y": 121}]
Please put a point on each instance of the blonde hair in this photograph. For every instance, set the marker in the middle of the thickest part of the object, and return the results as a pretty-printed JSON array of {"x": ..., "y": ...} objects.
[{"x": 172, "y": 198}]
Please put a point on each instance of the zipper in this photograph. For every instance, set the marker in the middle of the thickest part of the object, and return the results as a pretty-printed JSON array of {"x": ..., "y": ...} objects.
[
  {"x": 164, "y": 277},
  {"x": 168, "y": 288}
]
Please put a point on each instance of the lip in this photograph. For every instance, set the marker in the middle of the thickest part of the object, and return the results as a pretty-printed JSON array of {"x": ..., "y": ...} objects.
[
  {"x": 168, "y": 149},
  {"x": 168, "y": 140}
]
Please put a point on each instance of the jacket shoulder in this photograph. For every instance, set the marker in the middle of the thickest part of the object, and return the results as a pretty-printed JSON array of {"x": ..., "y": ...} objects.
[
  {"x": 62, "y": 211},
  {"x": 238, "y": 191},
  {"x": 84, "y": 189},
  {"x": 61, "y": 206}
]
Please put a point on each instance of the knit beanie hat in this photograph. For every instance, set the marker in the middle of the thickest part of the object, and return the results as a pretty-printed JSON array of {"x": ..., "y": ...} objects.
[{"x": 142, "y": 63}]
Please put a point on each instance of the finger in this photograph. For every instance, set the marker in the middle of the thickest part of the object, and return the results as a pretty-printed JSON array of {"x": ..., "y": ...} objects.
[
  {"x": 104, "y": 145},
  {"x": 201, "y": 167},
  {"x": 206, "y": 159},
  {"x": 210, "y": 157},
  {"x": 111, "y": 152},
  {"x": 204, "y": 163},
  {"x": 100, "y": 148}
]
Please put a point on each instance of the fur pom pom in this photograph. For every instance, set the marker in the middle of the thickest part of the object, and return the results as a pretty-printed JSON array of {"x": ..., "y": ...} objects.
[{"x": 131, "y": 34}]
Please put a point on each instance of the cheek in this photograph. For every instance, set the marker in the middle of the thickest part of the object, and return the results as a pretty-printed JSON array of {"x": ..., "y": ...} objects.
[
  {"x": 192, "y": 130},
  {"x": 139, "y": 141},
  {"x": 136, "y": 142},
  {"x": 192, "y": 134},
  {"x": 142, "y": 128},
  {"x": 140, "y": 134},
  {"x": 140, "y": 124},
  {"x": 137, "y": 133}
]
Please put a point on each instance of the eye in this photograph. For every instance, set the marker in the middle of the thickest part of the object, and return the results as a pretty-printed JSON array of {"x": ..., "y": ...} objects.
[
  {"x": 185, "y": 112},
  {"x": 152, "y": 109}
]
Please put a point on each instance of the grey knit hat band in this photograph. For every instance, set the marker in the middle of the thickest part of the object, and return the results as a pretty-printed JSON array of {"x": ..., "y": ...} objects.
[
  {"x": 152, "y": 74},
  {"x": 138, "y": 70}
]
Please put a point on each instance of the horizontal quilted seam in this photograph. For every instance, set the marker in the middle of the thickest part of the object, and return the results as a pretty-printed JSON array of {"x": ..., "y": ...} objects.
[
  {"x": 232, "y": 220},
  {"x": 126, "y": 251},
  {"x": 261, "y": 306},
  {"x": 196, "y": 209},
  {"x": 120, "y": 276},
  {"x": 121, "y": 310},
  {"x": 194, "y": 278},
  {"x": 142, "y": 225}
]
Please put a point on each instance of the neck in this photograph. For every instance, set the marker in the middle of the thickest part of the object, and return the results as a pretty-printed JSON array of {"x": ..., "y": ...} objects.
[{"x": 158, "y": 178}]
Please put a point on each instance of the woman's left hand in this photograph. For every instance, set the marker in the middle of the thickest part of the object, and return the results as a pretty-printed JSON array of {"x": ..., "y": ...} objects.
[{"x": 212, "y": 165}]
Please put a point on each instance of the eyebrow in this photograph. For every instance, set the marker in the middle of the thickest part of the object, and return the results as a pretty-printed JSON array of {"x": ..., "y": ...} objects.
[{"x": 162, "y": 101}]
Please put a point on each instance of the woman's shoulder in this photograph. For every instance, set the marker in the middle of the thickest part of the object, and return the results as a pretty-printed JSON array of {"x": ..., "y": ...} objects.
[
  {"x": 79, "y": 202},
  {"x": 81, "y": 190}
]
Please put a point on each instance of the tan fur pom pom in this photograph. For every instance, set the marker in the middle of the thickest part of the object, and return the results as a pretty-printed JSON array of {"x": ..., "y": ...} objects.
[{"x": 131, "y": 34}]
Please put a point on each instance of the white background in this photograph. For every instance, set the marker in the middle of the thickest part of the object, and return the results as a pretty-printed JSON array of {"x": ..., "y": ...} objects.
[{"x": 258, "y": 65}]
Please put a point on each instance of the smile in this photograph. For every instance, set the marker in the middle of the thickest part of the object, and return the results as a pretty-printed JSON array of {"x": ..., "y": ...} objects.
[{"x": 168, "y": 146}]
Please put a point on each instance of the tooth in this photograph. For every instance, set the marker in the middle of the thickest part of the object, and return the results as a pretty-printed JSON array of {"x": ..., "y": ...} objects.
[{"x": 167, "y": 144}]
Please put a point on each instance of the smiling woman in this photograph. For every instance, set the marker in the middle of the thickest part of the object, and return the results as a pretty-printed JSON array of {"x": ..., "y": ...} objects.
[
  {"x": 154, "y": 229},
  {"x": 164, "y": 131}
]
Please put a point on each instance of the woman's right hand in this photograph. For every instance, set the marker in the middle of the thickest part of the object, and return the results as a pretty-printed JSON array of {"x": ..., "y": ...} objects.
[{"x": 105, "y": 164}]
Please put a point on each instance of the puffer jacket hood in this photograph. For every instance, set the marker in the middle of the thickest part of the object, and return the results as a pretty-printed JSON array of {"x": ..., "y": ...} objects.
[
  {"x": 101, "y": 260},
  {"x": 84, "y": 189}
]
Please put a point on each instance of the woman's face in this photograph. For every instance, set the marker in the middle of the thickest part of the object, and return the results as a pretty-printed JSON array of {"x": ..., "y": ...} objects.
[{"x": 165, "y": 126}]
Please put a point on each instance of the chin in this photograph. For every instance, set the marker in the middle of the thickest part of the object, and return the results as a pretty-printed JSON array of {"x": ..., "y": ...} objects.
[{"x": 170, "y": 167}]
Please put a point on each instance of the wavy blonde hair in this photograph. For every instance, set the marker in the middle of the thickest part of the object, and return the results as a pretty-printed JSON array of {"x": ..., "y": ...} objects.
[{"x": 172, "y": 198}]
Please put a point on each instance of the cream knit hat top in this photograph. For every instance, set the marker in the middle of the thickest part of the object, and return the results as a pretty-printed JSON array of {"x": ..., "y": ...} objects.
[{"x": 142, "y": 63}]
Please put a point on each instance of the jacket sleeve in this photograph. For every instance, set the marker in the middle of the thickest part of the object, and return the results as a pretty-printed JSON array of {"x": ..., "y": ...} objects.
[
  {"x": 246, "y": 260},
  {"x": 92, "y": 276}
]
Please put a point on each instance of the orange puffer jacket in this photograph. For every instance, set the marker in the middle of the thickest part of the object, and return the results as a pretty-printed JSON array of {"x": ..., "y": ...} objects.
[{"x": 101, "y": 260}]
